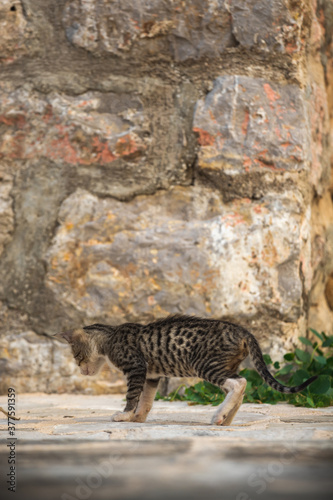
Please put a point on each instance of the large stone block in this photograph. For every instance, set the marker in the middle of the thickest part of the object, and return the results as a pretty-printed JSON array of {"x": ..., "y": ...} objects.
[
  {"x": 179, "y": 251},
  {"x": 275, "y": 25},
  {"x": 150, "y": 29},
  {"x": 248, "y": 128},
  {"x": 185, "y": 30},
  {"x": 117, "y": 142}
]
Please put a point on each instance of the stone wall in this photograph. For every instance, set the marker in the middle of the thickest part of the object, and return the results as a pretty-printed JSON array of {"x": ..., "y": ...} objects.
[{"x": 161, "y": 157}]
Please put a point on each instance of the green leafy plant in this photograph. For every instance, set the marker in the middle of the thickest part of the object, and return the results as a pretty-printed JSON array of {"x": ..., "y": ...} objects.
[{"x": 314, "y": 359}]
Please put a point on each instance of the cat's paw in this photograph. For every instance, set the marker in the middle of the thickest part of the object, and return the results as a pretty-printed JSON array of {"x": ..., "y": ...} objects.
[
  {"x": 139, "y": 417},
  {"x": 122, "y": 416},
  {"x": 221, "y": 420}
]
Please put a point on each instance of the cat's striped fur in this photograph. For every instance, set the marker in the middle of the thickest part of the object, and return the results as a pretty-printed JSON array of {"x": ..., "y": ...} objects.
[{"x": 179, "y": 346}]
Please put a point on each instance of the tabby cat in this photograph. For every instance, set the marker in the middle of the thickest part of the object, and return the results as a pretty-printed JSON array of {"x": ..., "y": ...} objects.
[{"x": 180, "y": 346}]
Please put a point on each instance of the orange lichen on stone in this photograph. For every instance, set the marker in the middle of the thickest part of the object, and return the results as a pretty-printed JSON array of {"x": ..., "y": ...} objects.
[
  {"x": 104, "y": 155},
  {"x": 62, "y": 148},
  {"x": 233, "y": 219},
  {"x": 126, "y": 146},
  {"x": 204, "y": 137},
  {"x": 271, "y": 94},
  {"x": 290, "y": 48},
  {"x": 151, "y": 300},
  {"x": 247, "y": 162}
]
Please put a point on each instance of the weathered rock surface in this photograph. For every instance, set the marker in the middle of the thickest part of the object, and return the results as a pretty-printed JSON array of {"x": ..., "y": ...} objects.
[
  {"x": 184, "y": 251},
  {"x": 164, "y": 28},
  {"x": 116, "y": 142},
  {"x": 162, "y": 157},
  {"x": 277, "y": 26},
  {"x": 183, "y": 31},
  {"x": 247, "y": 127}
]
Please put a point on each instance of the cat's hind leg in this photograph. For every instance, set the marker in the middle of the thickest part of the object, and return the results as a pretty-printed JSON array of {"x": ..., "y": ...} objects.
[
  {"x": 234, "y": 388},
  {"x": 146, "y": 400},
  {"x": 220, "y": 370}
]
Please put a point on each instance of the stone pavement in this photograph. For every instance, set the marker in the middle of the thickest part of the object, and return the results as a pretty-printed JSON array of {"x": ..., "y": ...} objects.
[{"x": 68, "y": 449}]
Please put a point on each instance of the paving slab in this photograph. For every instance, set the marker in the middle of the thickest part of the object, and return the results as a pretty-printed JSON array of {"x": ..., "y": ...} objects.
[{"x": 66, "y": 447}]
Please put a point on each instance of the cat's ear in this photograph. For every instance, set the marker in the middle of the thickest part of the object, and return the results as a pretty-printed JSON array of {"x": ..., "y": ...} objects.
[{"x": 67, "y": 336}]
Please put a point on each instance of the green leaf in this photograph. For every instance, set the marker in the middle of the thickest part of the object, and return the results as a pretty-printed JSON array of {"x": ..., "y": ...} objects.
[
  {"x": 321, "y": 385},
  {"x": 299, "y": 376},
  {"x": 305, "y": 341},
  {"x": 212, "y": 388},
  {"x": 319, "y": 335},
  {"x": 322, "y": 401},
  {"x": 252, "y": 376},
  {"x": 276, "y": 365},
  {"x": 310, "y": 402},
  {"x": 329, "y": 362},
  {"x": 289, "y": 356},
  {"x": 328, "y": 342},
  {"x": 321, "y": 360},
  {"x": 249, "y": 398},
  {"x": 300, "y": 399},
  {"x": 216, "y": 403},
  {"x": 285, "y": 370},
  {"x": 303, "y": 356},
  {"x": 248, "y": 386},
  {"x": 267, "y": 359},
  {"x": 262, "y": 391}
]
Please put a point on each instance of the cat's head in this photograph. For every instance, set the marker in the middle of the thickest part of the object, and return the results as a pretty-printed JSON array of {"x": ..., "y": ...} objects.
[{"x": 84, "y": 349}]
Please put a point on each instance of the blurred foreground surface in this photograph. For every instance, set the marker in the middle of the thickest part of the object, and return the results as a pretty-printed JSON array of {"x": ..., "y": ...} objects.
[{"x": 67, "y": 449}]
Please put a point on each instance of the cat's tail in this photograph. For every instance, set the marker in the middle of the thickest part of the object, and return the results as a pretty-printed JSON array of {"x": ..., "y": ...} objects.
[{"x": 259, "y": 363}]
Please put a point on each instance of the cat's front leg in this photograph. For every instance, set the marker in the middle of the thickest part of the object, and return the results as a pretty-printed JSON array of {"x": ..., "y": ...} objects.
[
  {"x": 136, "y": 376},
  {"x": 146, "y": 400}
]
